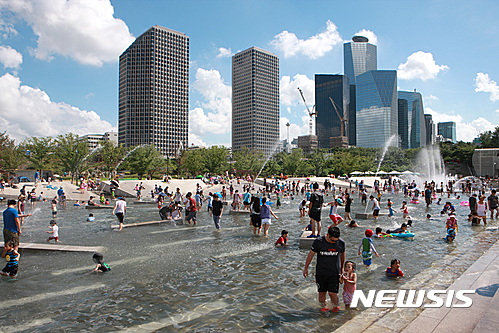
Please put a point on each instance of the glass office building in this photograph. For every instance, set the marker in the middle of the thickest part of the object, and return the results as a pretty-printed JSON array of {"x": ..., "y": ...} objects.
[
  {"x": 377, "y": 108},
  {"x": 431, "y": 132},
  {"x": 359, "y": 56},
  {"x": 448, "y": 130},
  {"x": 411, "y": 121},
  {"x": 328, "y": 122}
]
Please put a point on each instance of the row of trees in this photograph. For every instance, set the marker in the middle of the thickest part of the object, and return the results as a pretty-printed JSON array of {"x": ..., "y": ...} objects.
[{"x": 69, "y": 154}]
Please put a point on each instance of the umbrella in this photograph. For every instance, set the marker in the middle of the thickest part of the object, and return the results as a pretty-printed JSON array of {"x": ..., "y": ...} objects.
[
  {"x": 199, "y": 177},
  {"x": 394, "y": 172},
  {"x": 407, "y": 172},
  {"x": 356, "y": 173},
  {"x": 382, "y": 173},
  {"x": 369, "y": 173}
]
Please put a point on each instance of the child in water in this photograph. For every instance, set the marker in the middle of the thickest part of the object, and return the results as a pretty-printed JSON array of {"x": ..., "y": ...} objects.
[
  {"x": 90, "y": 218},
  {"x": 101, "y": 265},
  {"x": 394, "y": 269},
  {"x": 349, "y": 278},
  {"x": 379, "y": 233},
  {"x": 12, "y": 257},
  {"x": 366, "y": 248},
  {"x": 283, "y": 239},
  {"x": 390, "y": 210},
  {"x": 451, "y": 226},
  {"x": 54, "y": 232},
  {"x": 404, "y": 209},
  {"x": 302, "y": 206}
]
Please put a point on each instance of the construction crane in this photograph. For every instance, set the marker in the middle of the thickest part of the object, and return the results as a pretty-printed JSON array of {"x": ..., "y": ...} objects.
[
  {"x": 310, "y": 113},
  {"x": 343, "y": 120}
]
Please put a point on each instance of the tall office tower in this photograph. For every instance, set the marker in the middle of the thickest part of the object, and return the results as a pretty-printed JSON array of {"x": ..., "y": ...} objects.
[
  {"x": 430, "y": 129},
  {"x": 154, "y": 91},
  {"x": 448, "y": 130},
  {"x": 411, "y": 122},
  {"x": 328, "y": 123},
  {"x": 359, "y": 56},
  {"x": 377, "y": 108},
  {"x": 255, "y": 100}
]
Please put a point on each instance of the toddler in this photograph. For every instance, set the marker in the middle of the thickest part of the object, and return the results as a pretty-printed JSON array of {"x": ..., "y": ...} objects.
[
  {"x": 12, "y": 257},
  {"x": 349, "y": 278},
  {"x": 394, "y": 269},
  {"x": 90, "y": 218},
  {"x": 283, "y": 239},
  {"x": 54, "y": 232}
]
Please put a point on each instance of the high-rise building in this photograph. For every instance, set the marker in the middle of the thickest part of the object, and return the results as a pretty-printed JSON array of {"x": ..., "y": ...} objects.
[
  {"x": 431, "y": 133},
  {"x": 154, "y": 91},
  {"x": 255, "y": 100},
  {"x": 377, "y": 108},
  {"x": 411, "y": 122},
  {"x": 328, "y": 123},
  {"x": 447, "y": 130},
  {"x": 360, "y": 56}
]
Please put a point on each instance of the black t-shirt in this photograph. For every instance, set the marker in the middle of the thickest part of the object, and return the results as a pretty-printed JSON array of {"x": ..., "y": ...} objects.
[
  {"x": 492, "y": 201},
  {"x": 317, "y": 200},
  {"x": 473, "y": 203},
  {"x": 328, "y": 256},
  {"x": 217, "y": 207}
]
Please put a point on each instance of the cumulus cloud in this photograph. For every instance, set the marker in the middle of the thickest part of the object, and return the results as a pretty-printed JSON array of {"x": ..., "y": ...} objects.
[
  {"x": 27, "y": 111},
  {"x": 289, "y": 90},
  {"x": 420, "y": 65},
  {"x": 484, "y": 83},
  {"x": 10, "y": 57},
  {"x": 464, "y": 131},
  {"x": 313, "y": 47},
  {"x": 84, "y": 30},
  {"x": 224, "y": 53},
  {"x": 431, "y": 98},
  {"x": 217, "y": 117},
  {"x": 7, "y": 29},
  {"x": 295, "y": 130},
  {"x": 373, "y": 39}
]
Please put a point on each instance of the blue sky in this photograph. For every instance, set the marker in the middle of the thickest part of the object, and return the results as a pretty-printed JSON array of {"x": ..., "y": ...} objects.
[{"x": 59, "y": 69}]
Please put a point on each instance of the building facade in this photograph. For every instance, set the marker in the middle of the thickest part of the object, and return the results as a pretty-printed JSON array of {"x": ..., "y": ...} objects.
[
  {"x": 328, "y": 123},
  {"x": 255, "y": 100},
  {"x": 447, "y": 130},
  {"x": 486, "y": 162},
  {"x": 411, "y": 121},
  {"x": 359, "y": 56},
  {"x": 377, "y": 108},
  {"x": 431, "y": 132},
  {"x": 154, "y": 91}
]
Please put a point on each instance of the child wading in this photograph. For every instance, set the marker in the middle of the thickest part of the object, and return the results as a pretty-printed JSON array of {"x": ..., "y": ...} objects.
[
  {"x": 101, "y": 265},
  {"x": 366, "y": 248},
  {"x": 54, "y": 232},
  {"x": 349, "y": 278},
  {"x": 12, "y": 257}
]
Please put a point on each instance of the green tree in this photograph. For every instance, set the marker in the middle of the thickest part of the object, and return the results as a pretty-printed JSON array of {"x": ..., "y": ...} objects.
[
  {"x": 145, "y": 160},
  {"x": 71, "y": 154},
  {"x": 11, "y": 156},
  {"x": 490, "y": 139},
  {"x": 110, "y": 155},
  {"x": 39, "y": 151},
  {"x": 292, "y": 164},
  {"x": 246, "y": 159},
  {"x": 193, "y": 161},
  {"x": 319, "y": 160},
  {"x": 215, "y": 159}
]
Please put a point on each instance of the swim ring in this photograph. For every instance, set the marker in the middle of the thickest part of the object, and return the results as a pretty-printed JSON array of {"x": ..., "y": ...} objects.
[
  {"x": 465, "y": 203},
  {"x": 404, "y": 234}
]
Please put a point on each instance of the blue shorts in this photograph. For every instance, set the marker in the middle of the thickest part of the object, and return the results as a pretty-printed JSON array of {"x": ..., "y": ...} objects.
[{"x": 367, "y": 262}]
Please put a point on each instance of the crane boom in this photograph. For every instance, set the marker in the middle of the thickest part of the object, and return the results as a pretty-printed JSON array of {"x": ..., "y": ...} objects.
[
  {"x": 342, "y": 119},
  {"x": 310, "y": 113}
]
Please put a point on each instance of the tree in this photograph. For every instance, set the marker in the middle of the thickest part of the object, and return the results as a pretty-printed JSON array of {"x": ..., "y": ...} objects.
[
  {"x": 246, "y": 159},
  {"x": 71, "y": 154},
  {"x": 490, "y": 139},
  {"x": 11, "y": 156},
  {"x": 110, "y": 155},
  {"x": 193, "y": 161},
  {"x": 319, "y": 159},
  {"x": 292, "y": 164},
  {"x": 38, "y": 151},
  {"x": 145, "y": 160},
  {"x": 215, "y": 159}
]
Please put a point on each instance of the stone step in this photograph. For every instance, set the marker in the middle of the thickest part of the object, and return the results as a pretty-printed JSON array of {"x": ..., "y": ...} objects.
[
  {"x": 141, "y": 224},
  {"x": 59, "y": 247}
]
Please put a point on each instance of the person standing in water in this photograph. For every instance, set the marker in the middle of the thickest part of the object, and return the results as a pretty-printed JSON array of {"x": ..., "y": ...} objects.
[{"x": 120, "y": 210}]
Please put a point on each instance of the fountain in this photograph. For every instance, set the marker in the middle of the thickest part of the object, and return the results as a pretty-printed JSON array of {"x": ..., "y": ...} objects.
[
  {"x": 268, "y": 158},
  {"x": 430, "y": 166},
  {"x": 124, "y": 158}
]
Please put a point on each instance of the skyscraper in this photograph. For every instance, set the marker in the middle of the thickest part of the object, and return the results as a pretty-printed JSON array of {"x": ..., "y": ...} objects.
[
  {"x": 154, "y": 91},
  {"x": 447, "y": 130},
  {"x": 411, "y": 122},
  {"x": 377, "y": 108},
  {"x": 359, "y": 56},
  {"x": 430, "y": 129},
  {"x": 328, "y": 123},
  {"x": 255, "y": 100}
]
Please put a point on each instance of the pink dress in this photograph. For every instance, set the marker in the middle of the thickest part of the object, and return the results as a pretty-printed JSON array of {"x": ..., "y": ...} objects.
[{"x": 348, "y": 290}]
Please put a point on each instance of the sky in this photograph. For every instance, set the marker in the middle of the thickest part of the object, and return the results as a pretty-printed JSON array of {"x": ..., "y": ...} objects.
[{"x": 59, "y": 59}]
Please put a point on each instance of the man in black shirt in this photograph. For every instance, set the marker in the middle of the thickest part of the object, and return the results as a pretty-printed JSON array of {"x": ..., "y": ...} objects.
[
  {"x": 472, "y": 201},
  {"x": 217, "y": 210},
  {"x": 315, "y": 209},
  {"x": 330, "y": 251},
  {"x": 493, "y": 205}
]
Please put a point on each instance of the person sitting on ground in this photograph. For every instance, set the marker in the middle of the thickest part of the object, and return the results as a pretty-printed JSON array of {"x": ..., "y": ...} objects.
[
  {"x": 283, "y": 239},
  {"x": 448, "y": 208},
  {"x": 101, "y": 266},
  {"x": 91, "y": 203},
  {"x": 90, "y": 218}
]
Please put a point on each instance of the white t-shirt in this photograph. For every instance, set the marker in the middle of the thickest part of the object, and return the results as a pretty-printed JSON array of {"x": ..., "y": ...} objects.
[
  {"x": 376, "y": 204},
  {"x": 178, "y": 196},
  {"x": 120, "y": 206},
  {"x": 55, "y": 230}
]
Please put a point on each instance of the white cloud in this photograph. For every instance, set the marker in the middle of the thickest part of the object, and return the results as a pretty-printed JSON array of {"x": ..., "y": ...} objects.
[
  {"x": 431, "y": 98},
  {"x": 295, "y": 130},
  {"x": 420, "y": 65},
  {"x": 7, "y": 29},
  {"x": 27, "y": 111},
  {"x": 289, "y": 90},
  {"x": 84, "y": 30},
  {"x": 10, "y": 57},
  {"x": 314, "y": 47},
  {"x": 196, "y": 140},
  {"x": 373, "y": 39},
  {"x": 484, "y": 83},
  {"x": 217, "y": 94},
  {"x": 224, "y": 53},
  {"x": 464, "y": 131}
]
